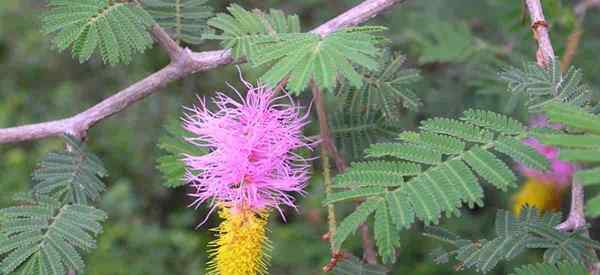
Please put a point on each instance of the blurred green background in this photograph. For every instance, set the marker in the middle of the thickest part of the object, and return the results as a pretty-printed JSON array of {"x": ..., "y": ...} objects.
[{"x": 458, "y": 46}]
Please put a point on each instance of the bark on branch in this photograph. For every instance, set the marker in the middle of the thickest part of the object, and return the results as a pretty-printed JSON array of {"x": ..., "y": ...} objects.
[
  {"x": 544, "y": 55},
  {"x": 183, "y": 63}
]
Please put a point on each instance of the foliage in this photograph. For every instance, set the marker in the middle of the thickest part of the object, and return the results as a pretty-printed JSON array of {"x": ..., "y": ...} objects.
[
  {"x": 580, "y": 144},
  {"x": 515, "y": 234},
  {"x": 241, "y": 30},
  {"x": 354, "y": 131},
  {"x": 562, "y": 268},
  {"x": 446, "y": 42},
  {"x": 298, "y": 57},
  {"x": 72, "y": 175},
  {"x": 306, "y": 56},
  {"x": 370, "y": 114},
  {"x": 174, "y": 146},
  {"x": 184, "y": 19},
  {"x": 430, "y": 173},
  {"x": 146, "y": 234},
  {"x": 543, "y": 85},
  {"x": 118, "y": 28},
  {"x": 385, "y": 89},
  {"x": 43, "y": 236},
  {"x": 353, "y": 266}
]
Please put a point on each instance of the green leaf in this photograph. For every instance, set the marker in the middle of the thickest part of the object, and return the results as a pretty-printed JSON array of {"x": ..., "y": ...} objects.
[
  {"x": 354, "y": 130},
  {"x": 402, "y": 212},
  {"x": 353, "y": 194},
  {"x": 386, "y": 89},
  {"x": 592, "y": 207},
  {"x": 375, "y": 173},
  {"x": 174, "y": 146},
  {"x": 184, "y": 20},
  {"x": 426, "y": 207},
  {"x": 441, "y": 143},
  {"x": 522, "y": 153},
  {"x": 588, "y": 177},
  {"x": 305, "y": 56},
  {"x": 386, "y": 234},
  {"x": 354, "y": 266},
  {"x": 351, "y": 223},
  {"x": 561, "y": 268},
  {"x": 464, "y": 181},
  {"x": 515, "y": 234},
  {"x": 117, "y": 28},
  {"x": 405, "y": 151},
  {"x": 574, "y": 141},
  {"x": 583, "y": 155},
  {"x": 243, "y": 30},
  {"x": 72, "y": 176},
  {"x": 488, "y": 166},
  {"x": 458, "y": 129},
  {"x": 51, "y": 244},
  {"x": 573, "y": 116},
  {"x": 494, "y": 121},
  {"x": 546, "y": 86}
]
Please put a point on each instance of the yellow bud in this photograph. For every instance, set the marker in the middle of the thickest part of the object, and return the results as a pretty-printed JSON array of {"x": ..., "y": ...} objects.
[{"x": 545, "y": 196}]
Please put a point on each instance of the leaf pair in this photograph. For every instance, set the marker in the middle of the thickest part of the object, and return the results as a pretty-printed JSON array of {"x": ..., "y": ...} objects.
[
  {"x": 43, "y": 236},
  {"x": 276, "y": 39},
  {"x": 514, "y": 235},
  {"x": 118, "y": 29},
  {"x": 431, "y": 172}
]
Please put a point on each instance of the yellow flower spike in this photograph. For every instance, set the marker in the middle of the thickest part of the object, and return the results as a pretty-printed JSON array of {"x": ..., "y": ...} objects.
[
  {"x": 241, "y": 247},
  {"x": 542, "y": 195}
]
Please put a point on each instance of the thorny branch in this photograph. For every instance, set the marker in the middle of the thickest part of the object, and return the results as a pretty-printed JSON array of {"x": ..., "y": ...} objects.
[
  {"x": 183, "y": 63},
  {"x": 544, "y": 55}
]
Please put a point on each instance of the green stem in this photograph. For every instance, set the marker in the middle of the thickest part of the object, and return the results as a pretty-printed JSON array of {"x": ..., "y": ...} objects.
[{"x": 330, "y": 208}]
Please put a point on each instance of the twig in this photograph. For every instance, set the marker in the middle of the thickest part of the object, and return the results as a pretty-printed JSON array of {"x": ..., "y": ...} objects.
[
  {"x": 572, "y": 45},
  {"x": 331, "y": 220},
  {"x": 539, "y": 26},
  {"x": 544, "y": 55},
  {"x": 328, "y": 148},
  {"x": 184, "y": 62},
  {"x": 575, "y": 37},
  {"x": 576, "y": 218},
  {"x": 369, "y": 252}
]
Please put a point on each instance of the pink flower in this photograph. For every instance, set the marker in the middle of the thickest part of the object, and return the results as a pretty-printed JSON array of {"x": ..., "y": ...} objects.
[
  {"x": 251, "y": 163},
  {"x": 560, "y": 172}
]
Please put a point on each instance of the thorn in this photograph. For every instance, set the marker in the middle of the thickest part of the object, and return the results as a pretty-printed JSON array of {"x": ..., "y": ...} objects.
[{"x": 335, "y": 257}]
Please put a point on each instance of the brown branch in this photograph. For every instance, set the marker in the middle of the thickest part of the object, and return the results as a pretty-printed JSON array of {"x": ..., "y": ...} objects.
[
  {"x": 369, "y": 252},
  {"x": 572, "y": 46},
  {"x": 539, "y": 26},
  {"x": 183, "y": 63},
  {"x": 544, "y": 55},
  {"x": 329, "y": 149}
]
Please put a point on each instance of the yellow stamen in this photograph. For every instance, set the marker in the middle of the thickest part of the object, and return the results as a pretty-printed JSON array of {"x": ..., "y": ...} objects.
[
  {"x": 542, "y": 195},
  {"x": 242, "y": 246}
]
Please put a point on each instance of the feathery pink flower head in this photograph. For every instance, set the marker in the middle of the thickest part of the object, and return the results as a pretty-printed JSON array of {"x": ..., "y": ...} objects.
[
  {"x": 560, "y": 171},
  {"x": 251, "y": 163}
]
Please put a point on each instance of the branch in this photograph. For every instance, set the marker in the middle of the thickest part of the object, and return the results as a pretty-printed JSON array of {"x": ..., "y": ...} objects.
[
  {"x": 576, "y": 218},
  {"x": 544, "y": 55},
  {"x": 184, "y": 62},
  {"x": 328, "y": 148},
  {"x": 545, "y": 52}
]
